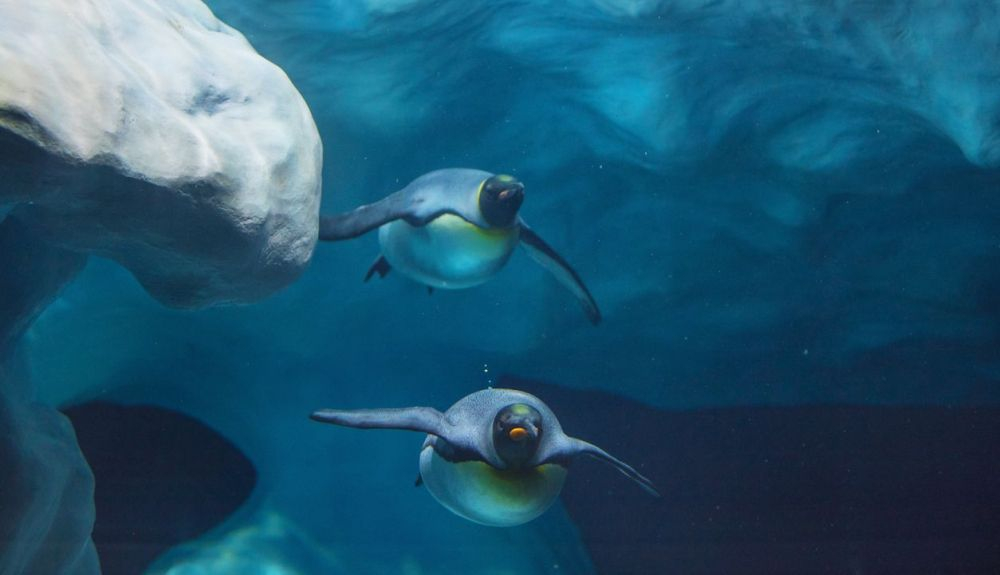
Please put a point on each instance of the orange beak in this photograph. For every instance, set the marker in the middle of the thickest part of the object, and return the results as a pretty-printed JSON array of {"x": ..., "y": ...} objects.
[{"x": 518, "y": 433}]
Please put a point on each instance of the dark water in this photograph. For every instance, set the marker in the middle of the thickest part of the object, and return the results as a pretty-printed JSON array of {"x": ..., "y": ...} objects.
[{"x": 787, "y": 211}]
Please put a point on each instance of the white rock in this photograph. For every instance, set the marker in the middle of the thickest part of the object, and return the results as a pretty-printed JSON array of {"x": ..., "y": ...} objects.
[
  {"x": 170, "y": 145},
  {"x": 151, "y": 133}
]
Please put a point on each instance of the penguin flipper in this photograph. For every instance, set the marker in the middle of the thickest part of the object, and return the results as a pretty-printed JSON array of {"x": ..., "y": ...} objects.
[
  {"x": 415, "y": 208},
  {"x": 570, "y": 447},
  {"x": 547, "y": 257},
  {"x": 452, "y": 442},
  {"x": 380, "y": 267},
  {"x": 423, "y": 419}
]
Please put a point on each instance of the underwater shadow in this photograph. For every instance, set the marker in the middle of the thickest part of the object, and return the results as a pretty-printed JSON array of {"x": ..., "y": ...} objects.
[
  {"x": 785, "y": 489},
  {"x": 162, "y": 478}
]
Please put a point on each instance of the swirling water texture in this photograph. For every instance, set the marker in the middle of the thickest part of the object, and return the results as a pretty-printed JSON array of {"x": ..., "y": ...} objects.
[{"x": 770, "y": 199}]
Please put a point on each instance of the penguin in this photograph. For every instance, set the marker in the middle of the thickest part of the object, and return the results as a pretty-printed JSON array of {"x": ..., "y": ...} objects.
[
  {"x": 497, "y": 457},
  {"x": 453, "y": 229}
]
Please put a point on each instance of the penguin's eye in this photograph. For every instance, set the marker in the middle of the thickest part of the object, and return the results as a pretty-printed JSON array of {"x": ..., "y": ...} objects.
[{"x": 518, "y": 433}]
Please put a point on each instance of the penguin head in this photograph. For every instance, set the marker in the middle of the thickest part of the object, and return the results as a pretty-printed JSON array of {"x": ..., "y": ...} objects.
[
  {"x": 499, "y": 199},
  {"x": 517, "y": 431}
]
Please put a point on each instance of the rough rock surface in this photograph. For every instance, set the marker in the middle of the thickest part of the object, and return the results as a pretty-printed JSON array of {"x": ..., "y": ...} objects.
[
  {"x": 46, "y": 488},
  {"x": 37, "y": 272},
  {"x": 154, "y": 134}
]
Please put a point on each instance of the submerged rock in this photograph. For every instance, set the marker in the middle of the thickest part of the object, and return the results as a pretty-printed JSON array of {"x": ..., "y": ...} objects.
[
  {"x": 154, "y": 134},
  {"x": 41, "y": 271},
  {"x": 46, "y": 488}
]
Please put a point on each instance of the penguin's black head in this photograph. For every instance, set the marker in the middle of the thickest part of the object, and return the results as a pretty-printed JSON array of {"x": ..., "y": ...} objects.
[
  {"x": 499, "y": 200},
  {"x": 517, "y": 431}
]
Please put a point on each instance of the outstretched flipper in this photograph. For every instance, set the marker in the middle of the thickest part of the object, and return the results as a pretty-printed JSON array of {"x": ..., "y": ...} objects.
[
  {"x": 630, "y": 472},
  {"x": 542, "y": 253},
  {"x": 380, "y": 267},
  {"x": 423, "y": 419},
  {"x": 454, "y": 443},
  {"x": 569, "y": 447},
  {"x": 413, "y": 206}
]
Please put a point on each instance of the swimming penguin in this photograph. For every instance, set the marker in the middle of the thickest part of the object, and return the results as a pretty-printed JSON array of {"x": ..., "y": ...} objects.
[
  {"x": 453, "y": 229},
  {"x": 497, "y": 457}
]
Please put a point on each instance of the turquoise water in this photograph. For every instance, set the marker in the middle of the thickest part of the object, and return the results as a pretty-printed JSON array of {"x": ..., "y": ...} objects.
[{"x": 787, "y": 213}]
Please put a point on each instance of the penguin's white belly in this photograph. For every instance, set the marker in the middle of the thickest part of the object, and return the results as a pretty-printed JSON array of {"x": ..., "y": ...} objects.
[
  {"x": 483, "y": 494},
  {"x": 448, "y": 252}
]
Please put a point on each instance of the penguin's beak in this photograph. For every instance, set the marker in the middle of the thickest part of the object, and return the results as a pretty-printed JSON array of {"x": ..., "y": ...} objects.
[
  {"x": 524, "y": 432},
  {"x": 512, "y": 192}
]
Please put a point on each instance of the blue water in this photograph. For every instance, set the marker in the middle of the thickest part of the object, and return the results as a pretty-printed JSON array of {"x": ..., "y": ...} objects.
[{"x": 776, "y": 204}]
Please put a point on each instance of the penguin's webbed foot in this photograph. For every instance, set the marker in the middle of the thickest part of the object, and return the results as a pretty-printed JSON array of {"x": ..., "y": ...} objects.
[{"x": 380, "y": 267}]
